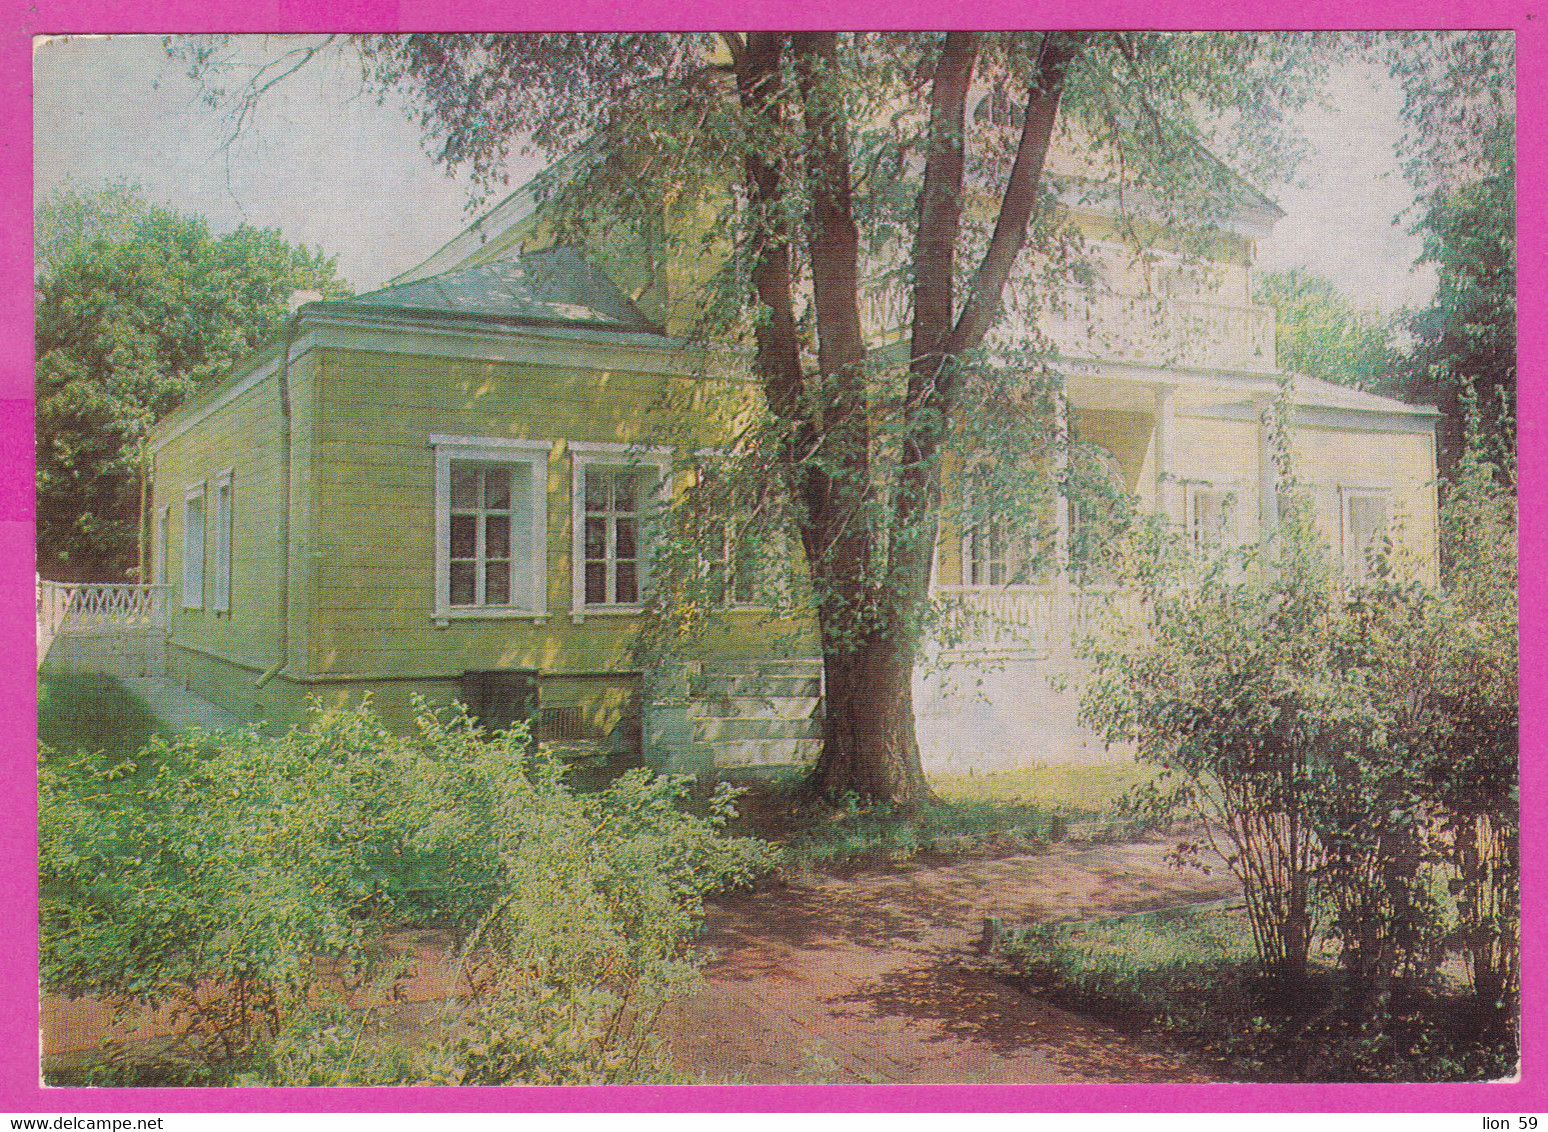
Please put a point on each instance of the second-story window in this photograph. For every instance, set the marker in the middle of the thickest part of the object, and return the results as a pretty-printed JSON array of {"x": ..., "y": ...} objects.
[{"x": 998, "y": 108}]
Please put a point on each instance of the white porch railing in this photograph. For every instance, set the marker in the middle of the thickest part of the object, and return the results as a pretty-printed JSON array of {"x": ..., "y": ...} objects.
[
  {"x": 1107, "y": 326},
  {"x": 65, "y": 607},
  {"x": 1041, "y": 617},
  {"x": 1110, "y": 326}
]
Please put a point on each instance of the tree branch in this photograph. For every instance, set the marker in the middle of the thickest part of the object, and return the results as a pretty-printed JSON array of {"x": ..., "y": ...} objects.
[
  {"x": 935, "y": 242},
  {"x": 1010, "y": 229},
  {"x": 940, "y": 207},
  {"x": 833, "y": 237},
  {"x": 833, "y": 244},
  {"x": 779, "y": 355}
]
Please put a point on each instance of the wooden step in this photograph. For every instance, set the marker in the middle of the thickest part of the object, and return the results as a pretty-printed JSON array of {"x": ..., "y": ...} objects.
[
  {"x": 756, "y": 707},
  {"x": 807, "y": 667},
  {"x": 753, "y": 684},
  {"x": 735, "y": 730},
  {"x": 765, "y": 752}
]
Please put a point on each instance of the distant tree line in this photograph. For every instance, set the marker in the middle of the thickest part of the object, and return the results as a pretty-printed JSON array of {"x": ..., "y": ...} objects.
[{"x": 138, "y": 308}]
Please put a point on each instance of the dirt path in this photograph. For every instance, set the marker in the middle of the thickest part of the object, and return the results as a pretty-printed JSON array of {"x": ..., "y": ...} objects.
[{"x": 874, "y": 977}]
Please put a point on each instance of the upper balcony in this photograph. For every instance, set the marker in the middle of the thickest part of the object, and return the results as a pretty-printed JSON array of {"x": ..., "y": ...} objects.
[
  {"x": 1161, "y": 331},
  {"x": 1089, "y": 324}
]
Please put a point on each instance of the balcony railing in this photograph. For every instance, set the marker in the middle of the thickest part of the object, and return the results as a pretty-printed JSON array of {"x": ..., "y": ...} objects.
[
  {"x": 98, "y": 608},
  {"x": 1038, "y": 617},
  {"x": 1146, "y": 329},
  {"x": 1107, "y": 326}
]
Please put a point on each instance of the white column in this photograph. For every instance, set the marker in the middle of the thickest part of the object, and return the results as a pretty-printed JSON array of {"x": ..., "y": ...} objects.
[
  {"x": 1268, "y": 473},
  {"x": 1166, "y": 453}
]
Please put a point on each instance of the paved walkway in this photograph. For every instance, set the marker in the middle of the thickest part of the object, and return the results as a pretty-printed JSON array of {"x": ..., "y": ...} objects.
[
  {"x": 178, "y": 709},
  {"x": 873, "y": 977}
]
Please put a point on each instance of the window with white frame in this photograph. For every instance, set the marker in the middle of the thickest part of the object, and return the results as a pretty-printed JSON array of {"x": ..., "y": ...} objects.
[
  {"x": 615, "y": 490},
  {"x": 220, "y": 596},
  {"x": 193, "y": 546},
  {"x": 1211, "y": 512},
  {"x": 1365, "y": 520},
  {"x": 991, "y": 556},
  {"x": 491, "y": 527},
  {"x": 986, "y": 554},
  {"x": 727, "y": 558}
]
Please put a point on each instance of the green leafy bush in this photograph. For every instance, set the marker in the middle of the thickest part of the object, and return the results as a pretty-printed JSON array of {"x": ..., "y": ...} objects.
[
  {"x": 215, "y": 890},
  {"x": 247, "y": 877},
  {"x": 1351, "y": 753}
]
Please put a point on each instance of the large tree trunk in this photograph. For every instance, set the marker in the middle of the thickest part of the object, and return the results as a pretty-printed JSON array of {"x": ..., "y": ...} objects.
[
  {"x": 869, "y": 747},
  {"x": 868, "y": 597}
]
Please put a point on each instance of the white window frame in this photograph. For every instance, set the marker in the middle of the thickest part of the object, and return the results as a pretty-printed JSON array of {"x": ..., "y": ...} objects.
[
  {"x": 220, "y": 596},
  {"x": 492, "y": 450},
  {"x": 585, "y": 454},
  {"x": 1231, "y": 493},
  {"x": 705, "y": 458},
  {"x": 1005, "y": 560},
  {"x": 163, "y": 544},
  {"x": 1354, "y": 557},
  {"x": 1015, "y": 552},
  {"x": 193, "y": 554}
]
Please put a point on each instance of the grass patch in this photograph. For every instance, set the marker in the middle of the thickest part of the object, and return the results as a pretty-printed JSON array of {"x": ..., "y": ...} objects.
[
  {"x": 94, "y": 715},
  {"x": 1193, "y": 978},
  {"x": 1008, "y": 810},
  {"x": 1078, "y": 789}
]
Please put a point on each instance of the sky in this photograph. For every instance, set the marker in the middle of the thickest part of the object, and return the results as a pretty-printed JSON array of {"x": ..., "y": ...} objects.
[{"x": 331, "y": 166}]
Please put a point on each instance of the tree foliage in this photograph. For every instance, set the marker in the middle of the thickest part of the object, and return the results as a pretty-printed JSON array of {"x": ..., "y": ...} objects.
[
  {"x": 1352, "y": 751},
  {"x": 1321, "y": 333},
  {"x": 138, "y": 307},
  {"x": 245, "y": 889},
  {"x": 811, "y": 174},
  {"x": 70, "y": 219},
  {"x": 1459, "y": 153}
]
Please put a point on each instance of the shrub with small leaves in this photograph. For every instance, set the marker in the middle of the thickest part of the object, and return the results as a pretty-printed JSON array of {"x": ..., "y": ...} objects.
[
  {"x": 1349, "y": 749},
  {"x": 253, "y": 872}
]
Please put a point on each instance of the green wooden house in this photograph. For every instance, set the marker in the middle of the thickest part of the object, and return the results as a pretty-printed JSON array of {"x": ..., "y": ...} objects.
[{"x": 441, "y": 489}]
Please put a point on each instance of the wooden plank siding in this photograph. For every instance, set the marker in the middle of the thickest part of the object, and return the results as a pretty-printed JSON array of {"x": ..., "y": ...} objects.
[
  {"x": 372, "y": 553},
  {"x": 362, "y": 534},
  {"x": 244, "y": 437}
]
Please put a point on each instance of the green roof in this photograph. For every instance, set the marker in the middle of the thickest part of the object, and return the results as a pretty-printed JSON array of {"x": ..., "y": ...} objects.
[{"x": 555, "y": 287}]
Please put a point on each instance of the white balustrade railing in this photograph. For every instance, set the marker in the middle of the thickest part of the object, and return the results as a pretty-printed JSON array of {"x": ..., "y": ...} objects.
[
  {"x": 98, "y": 607},
  {"x": 1108, "y": 326},
  {"x": 1111, "y": 326},
  {"x": 1036, "y": 616}
]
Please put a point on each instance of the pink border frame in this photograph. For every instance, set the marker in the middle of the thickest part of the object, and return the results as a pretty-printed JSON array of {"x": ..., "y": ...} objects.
[{"x": 19, "y": 1090}]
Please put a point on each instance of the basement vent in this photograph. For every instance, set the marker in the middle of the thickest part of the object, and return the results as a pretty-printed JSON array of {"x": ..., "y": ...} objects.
[
  {"x": 560, "y": 724},
  {"x": 498, "y": 699}
]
